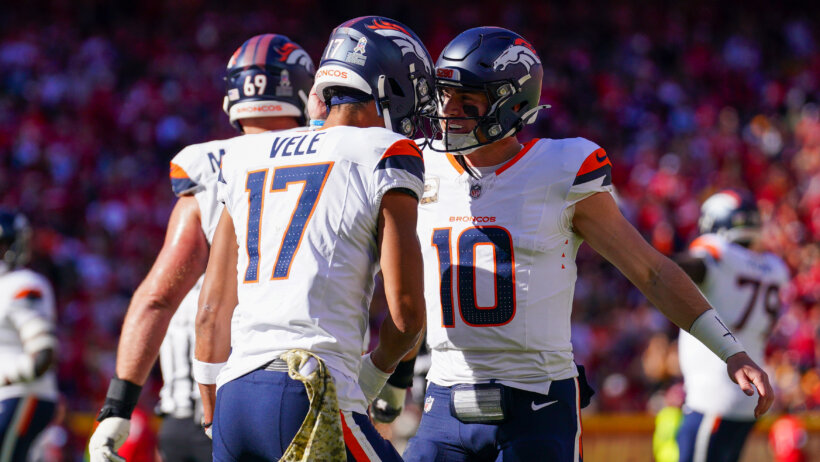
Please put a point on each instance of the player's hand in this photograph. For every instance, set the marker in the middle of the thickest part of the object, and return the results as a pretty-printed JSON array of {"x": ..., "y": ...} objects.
[
  {"x": 110, "y": 434},
  {"x": 388, "y": 405},
  {"x": 749, "y": 376}
]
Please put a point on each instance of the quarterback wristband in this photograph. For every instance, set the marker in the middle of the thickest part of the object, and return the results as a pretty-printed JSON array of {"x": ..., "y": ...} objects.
[
  {"x": 371, "y": 379},
  {"x": 402, "y": 377},
  {"x": 120, "y": 400},
  {"x": 712, "y": 332},
  {"x": 206, "y": 373}
]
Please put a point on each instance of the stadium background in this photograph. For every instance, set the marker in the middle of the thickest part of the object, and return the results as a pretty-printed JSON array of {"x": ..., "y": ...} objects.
[{"x": 686, "y": 97}]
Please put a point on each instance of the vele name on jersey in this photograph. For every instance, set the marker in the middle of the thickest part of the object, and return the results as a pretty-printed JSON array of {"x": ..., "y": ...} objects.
[{"x": 296, "y": 145}]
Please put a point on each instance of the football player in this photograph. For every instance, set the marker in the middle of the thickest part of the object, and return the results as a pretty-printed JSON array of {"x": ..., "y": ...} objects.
[
  {"x": 267, "y": 81},
  {"x": 309, "y": 218},
  {"x": 743, "y": 284},
  {"x": 28, "y": 386},
  {"x": 501, "y": 223}
]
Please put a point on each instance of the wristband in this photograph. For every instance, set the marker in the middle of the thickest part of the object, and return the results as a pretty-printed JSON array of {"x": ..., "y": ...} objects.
[
  {"x": 713, "y": 333},
  {"x": 402, "y": 377},
  {"x": 206, "y": 373},
  {"x": 371, "y": 379},
  {"x": 120, "y": 400}
]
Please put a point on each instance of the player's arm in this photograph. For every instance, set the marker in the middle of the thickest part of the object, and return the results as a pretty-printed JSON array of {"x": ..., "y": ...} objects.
[
  {"x": 401, "y": 264},
  {"x": 599, "y": 222},
  {"x": 36, "y": 333},
  {"x": 178, "y": 266},
  {"x": 217, "y": 301}
]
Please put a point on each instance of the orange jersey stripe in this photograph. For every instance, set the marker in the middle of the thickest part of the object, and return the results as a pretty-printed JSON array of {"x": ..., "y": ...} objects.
[
  {"x": 402, "y": 148},
  {"x": 178, "y": 172},
  {"x": 517, "y": 157},
  {"x": 455, "y": 163},
  {"x": 29, "y": 293},
  {"x": 594, "y": 161},
  {"x": 704, "y": 243}
]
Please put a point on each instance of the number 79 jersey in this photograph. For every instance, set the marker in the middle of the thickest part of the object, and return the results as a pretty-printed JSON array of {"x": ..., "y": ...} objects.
[
  {"x": 499, "y": 262},
  {"x": 305, "y": 209}
]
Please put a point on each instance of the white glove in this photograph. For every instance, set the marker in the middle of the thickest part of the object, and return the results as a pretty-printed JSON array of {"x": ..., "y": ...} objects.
[
  {"x": 371, "y": 379},
  {"x": 110, "y": 434},
  {"x": 388, "y": 404}
]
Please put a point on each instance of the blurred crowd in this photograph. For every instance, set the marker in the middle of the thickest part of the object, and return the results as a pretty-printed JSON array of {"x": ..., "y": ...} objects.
[{"x": 96, "y": 97}]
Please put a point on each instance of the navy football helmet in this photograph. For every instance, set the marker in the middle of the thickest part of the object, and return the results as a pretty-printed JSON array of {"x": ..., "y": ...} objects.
[
  {"x": 15, "y": 234},
  {"x": 268, "y": 76},
  {"x": 384, "y": 59},
  {"x": 732, "y": 214},
  {"x": 503, "y": 66}
]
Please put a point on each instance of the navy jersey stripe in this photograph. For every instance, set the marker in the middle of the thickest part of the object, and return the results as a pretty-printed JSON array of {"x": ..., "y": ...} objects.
[
  {"x": 182, "y": 186},
  {"x": 604, "y": 171},
  {"x": 412, "y": 164}
]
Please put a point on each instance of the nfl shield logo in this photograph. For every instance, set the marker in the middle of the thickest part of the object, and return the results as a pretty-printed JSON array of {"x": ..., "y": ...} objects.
[
  {"x": 428, "y": 404},
  {"x": 475, "y": 191}
]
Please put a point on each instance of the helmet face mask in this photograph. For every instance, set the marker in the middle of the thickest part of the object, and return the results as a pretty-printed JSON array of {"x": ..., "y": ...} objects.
[
  {"x": 268, "y": 76},
  {"x": 504, "y": 67},
  {"x": 15, "y": 238},
  {"x": 384, "y": 59},
  {"x": 731, "y": 214}
]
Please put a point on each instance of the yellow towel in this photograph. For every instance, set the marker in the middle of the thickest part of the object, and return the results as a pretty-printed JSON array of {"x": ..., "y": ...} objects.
[{"x": 320, "y": 437}]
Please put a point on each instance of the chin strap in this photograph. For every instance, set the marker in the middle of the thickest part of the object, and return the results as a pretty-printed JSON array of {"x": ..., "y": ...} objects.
[
  {"x": 381, "y": 103},
  {"x": 530, "y": 116}
]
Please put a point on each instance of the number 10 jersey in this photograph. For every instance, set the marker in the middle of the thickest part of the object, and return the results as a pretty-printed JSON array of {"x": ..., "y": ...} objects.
[{"x": 499, "y": 262}]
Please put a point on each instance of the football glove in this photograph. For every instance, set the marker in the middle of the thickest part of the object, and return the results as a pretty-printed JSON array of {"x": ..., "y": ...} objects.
[
  {"x": 388, "y": 405},
  {"x": 110, "y": 434}
]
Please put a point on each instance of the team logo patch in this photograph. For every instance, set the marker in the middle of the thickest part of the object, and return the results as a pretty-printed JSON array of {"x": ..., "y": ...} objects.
[
  {"x": 428, "y": 404},
  {"x": 403, "y": 40},
  {"x": 430, "y": 194},
  {"x": 290, "y": 53},
  {"x": 284, "y": 88},
  {"x": 357, "y": 55},
  {"x": 475, "y": 191},
  {"x": 520, "y": 52}
]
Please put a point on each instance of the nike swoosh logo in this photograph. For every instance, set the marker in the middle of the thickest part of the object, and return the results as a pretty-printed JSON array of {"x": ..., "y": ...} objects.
[
  {"x": 600, "y": 158},
  {"x": 538, "y": 407}
]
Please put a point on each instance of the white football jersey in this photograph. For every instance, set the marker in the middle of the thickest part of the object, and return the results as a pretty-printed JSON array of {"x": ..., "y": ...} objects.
[
  {"x": 305, "y": 207},
  {"x": 744, "y": 287},
  {"x": 499, "y": 262},
  {"x": 24, "y": 295},
  {"x": 194, "y": 172}
]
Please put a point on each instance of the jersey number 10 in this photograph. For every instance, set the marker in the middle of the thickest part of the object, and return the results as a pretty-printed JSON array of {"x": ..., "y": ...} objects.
[
  {"x": 504, "y": 275},
  {"x": 313, "y": 178}
]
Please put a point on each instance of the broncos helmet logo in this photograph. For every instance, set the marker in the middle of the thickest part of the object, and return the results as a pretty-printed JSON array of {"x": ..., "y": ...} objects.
[
  {"x": 402, "y": 39},
  {"x": 290, "y": 53},
  {"x": 520, "y": 52}
]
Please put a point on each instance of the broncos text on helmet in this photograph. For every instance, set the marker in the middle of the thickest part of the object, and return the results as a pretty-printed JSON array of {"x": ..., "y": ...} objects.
[
  {"x": 502, "y": 65},
  {"x": 268, "y": 76},
  {"x": 385, "y": 61},
  {"x": 733, "y": 214},
  {"x": 15, "y": 234}
]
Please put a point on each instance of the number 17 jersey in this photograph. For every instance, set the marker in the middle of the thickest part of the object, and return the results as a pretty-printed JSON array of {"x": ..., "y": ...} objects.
[
  {"x": 499, "y": 262},
  {"x": 305, "y": 208}
]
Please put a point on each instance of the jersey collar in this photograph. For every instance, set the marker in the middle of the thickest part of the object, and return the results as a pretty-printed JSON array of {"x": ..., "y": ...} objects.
[{"x": 452, "y": 159}]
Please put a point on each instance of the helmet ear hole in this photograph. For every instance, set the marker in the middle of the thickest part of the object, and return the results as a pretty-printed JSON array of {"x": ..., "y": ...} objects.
[{"x": 395, "y": 88}]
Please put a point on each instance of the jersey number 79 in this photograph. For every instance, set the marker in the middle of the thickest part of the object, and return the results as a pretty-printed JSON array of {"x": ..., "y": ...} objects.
[
  {"x": 313, "y": 178},
  {"x": 504, "y": 275}
]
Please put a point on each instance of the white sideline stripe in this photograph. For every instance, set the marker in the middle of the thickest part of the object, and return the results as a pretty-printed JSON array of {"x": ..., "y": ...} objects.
[
  {"x": 360, "y": 437},
  {"x": 703, "y": 436},
  {"x": 577, "y": 456},
  {"x": 10, "y": 441}
]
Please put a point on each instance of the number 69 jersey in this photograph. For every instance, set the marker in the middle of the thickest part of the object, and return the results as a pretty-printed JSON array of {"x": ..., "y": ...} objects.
[
  {"x": 744, "y": 287},
  {"x": 499, "y": 262},
  {"x": 305, "y": 208}
]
